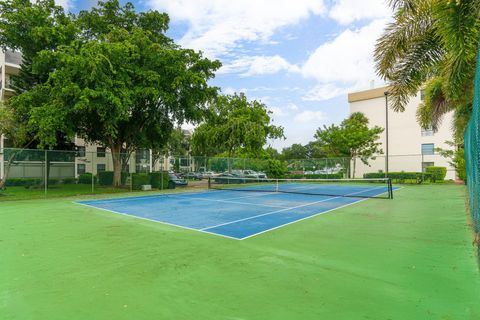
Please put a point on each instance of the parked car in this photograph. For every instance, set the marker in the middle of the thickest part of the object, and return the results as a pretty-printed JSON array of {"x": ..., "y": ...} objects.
[
  {"x": 249, "y": 174},
  {"x": 174, "y": 181},
  {"x": 207, "y": 174},
  {"x": 255, "y": 174},
  {"x": 229, "y": 177},
  {"x": 192, "y": 176}
]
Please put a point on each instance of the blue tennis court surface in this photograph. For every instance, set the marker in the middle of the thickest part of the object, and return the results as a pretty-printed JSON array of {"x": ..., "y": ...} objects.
[{"x": 233, "y": 214}]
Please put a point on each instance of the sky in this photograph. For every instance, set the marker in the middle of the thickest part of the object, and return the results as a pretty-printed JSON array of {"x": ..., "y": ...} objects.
[{"x": 299, "y": 57}]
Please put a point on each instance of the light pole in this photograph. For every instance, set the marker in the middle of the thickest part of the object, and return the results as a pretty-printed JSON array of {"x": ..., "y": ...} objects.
[{"x": 386, "y": 93}]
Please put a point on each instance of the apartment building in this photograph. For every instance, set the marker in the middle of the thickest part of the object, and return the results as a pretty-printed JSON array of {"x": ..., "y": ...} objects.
[
  {"x": 9, "y": 65},
  {"x": 410, "y": 147}
]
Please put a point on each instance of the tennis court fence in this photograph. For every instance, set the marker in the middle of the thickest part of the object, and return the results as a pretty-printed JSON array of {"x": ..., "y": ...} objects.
[
  {"x": 82, "y": 171},
  {"x": 472, "y": 155}
]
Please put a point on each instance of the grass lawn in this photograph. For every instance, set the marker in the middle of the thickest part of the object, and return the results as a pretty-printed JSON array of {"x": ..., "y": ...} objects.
[
  {"x": 407, "y": 258},
  {"x": 67, "y": 190},
  {"x": 55, "y": 191}
]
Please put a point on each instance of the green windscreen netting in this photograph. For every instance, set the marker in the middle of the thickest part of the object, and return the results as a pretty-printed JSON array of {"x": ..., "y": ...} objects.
[{"x": 472, "y": 153}]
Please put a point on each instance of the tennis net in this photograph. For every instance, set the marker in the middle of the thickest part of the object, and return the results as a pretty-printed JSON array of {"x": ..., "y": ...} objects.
[{"x": 358, "y": 188}]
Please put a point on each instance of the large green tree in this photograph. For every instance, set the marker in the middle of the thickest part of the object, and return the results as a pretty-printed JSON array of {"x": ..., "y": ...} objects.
[
  {"x": 431, "y": 44},
  {"x": 30, "y": 27},
  {"x": 121, "y": 82},
  {"x": 235, "y": 127},
  {"x": 352, "y": 139},
  {"x": 294, "y": 152}
]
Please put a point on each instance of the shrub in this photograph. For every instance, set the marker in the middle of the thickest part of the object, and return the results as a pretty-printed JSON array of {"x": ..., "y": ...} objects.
[
  {"x": 276, "y": 169},
  {"x": 401, "y": 177},
  {"x": 69, "y": 181},
  {"x": 53, "y": 181},
  {"x": 105, "y": 178},
  {"x": 338, "y": 175},
  {"x": 139, "y": 179},
  {"x": 437, "y": 173},
  {"x": 22, "y": 182},
  {"x": 156, "y": 179},
  {"x": 85, "y": 178}
]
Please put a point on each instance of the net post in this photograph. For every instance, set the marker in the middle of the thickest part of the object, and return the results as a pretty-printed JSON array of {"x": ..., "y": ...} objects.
[
  {"x": 209, "y": 182},
  {"x": 390, "y": 188},
  {"x": 45, "y": 180}
]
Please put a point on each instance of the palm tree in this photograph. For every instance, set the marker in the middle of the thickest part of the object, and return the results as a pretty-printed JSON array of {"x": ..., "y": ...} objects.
[{"x": 431, "y": 44}]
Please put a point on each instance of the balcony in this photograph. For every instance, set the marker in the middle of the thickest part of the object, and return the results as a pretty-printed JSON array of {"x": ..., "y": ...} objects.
[
  {"x": 13, "y": 57},
  {"x": 7, "y": 89}
]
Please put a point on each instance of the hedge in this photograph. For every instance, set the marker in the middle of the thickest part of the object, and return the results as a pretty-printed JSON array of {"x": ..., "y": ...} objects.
[
  {"x": 139, "y": 179},
  {"x": 23, "y": 182},
  {"x": 105, "y": 178},
  {"x": 338, "y": 175},
  {"x": 85, "y": 178},
  {"x": 156, "y": 179},
  {"x": 438, "y": 173},
  {"x": 69, "y": 181},
  {"x": 401, "y": 177}
]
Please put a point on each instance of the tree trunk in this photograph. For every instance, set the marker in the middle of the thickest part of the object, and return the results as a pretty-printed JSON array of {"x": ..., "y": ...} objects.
[
  {"x": 117, "y": 163},
  {"x": 3, "y": 181},
  {"x": 354, "y": 167}
]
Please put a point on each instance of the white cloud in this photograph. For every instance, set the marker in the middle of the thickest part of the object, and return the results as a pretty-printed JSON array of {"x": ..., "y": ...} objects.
[
  {"x": 324, "y": 92},
  {"x": 348, "y": 11},
  {"x": 278, "y": 112},
  {"x": 345, "y": 63},
  {"x": 228, "y": 90},
  {"x": 216, "y": 26},
  {"x": 258, "y": 65},
  {"x": 309, "y": 116},
  {"x": 292, "y": 106},
  {"x": 285, "y": 111},
  {"x": 67, "y": 4}
]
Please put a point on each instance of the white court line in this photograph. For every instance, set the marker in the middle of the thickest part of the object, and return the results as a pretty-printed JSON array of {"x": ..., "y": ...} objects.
[
  {"x": 292, "y": 222},
  {"x": 213, "y": 233},
  {"x": 157, "y": 221},
  {"x": 237, "y": 202},
  {"x": 256, "y": 195},
  {"x": 282, "y": 210},
  {"x": 314, "y": 215}
]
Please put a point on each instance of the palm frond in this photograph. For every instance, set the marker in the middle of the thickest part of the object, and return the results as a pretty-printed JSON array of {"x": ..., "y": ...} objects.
[
  {"x": 435, "y": 105},
  {"x": 457, "y": 23},
  {"x": 416, "y": 67}
]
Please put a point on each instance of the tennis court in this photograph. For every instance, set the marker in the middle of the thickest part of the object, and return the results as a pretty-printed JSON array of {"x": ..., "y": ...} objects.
[{"x": 261, "y": 206}]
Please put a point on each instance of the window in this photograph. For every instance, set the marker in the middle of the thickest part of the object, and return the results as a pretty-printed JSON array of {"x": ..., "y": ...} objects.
[
  {"x": 427, "y": 164},
  {"x": 427, "y": 132},
  {"x": 428, "y": 148},
  {"x": 100, "y": 167},
  {"x": 100, "y": 152},
  {"x": 80, "y": 151},
  {"x": 422, "y": 95},
  {"x": 80, "y": 168}
]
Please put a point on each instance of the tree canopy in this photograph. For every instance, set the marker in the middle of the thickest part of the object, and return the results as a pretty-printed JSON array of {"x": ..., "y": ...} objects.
[
  {"x": 431, "y": 44},
  {"x": 120, "y": 81},
  {"x": 352, "y": 139},
  {"x": 235, "y": 127}
]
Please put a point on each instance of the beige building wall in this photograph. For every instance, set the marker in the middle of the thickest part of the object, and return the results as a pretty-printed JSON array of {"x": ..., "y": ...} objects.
[
  {"x": 405, "y": 135},
  {"x": 9, "y": 65}
]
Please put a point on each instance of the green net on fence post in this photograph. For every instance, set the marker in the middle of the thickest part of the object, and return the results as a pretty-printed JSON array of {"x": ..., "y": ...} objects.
[{"x": 472, "y": 153}]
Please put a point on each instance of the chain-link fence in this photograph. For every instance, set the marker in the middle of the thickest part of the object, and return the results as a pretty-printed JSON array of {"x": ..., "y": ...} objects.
[
  {"x": 35, "y": 173},
  {"x": 472, "y": 153}
]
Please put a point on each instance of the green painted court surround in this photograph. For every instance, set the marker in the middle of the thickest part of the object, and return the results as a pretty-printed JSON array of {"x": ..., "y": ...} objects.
[{"x": 410, "y": 258}]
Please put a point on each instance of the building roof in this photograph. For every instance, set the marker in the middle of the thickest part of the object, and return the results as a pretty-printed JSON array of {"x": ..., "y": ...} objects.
[{"x": 367, "y": 94}]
